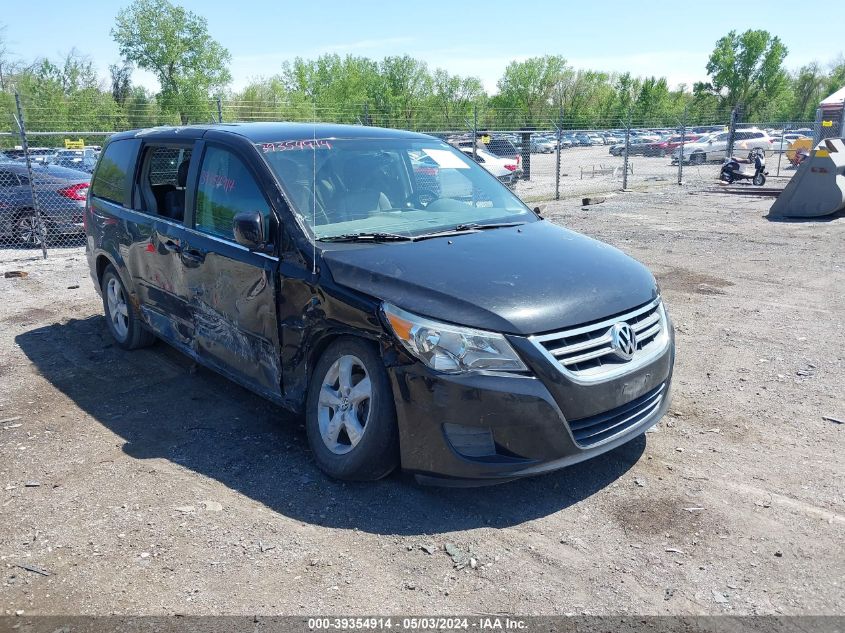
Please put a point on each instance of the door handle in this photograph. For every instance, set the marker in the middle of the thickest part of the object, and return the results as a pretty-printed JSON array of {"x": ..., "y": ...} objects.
[
  {"x": 172, "y": 246},
  {"x": 193, "y": 255}
]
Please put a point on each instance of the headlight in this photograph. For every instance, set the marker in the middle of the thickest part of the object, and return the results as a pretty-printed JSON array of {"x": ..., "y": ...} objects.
[{"x": 450, "y": 348}]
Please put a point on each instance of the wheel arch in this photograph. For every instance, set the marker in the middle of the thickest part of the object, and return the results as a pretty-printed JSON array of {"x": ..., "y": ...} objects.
[
  {"x": 101, "y": 263},
  {"x": 102, "y": 260},
  {"x": 320, "y": 343}
]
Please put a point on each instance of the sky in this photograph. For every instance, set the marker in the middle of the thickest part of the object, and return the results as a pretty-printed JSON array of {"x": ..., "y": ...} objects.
[{"x": 467, "y": 37}]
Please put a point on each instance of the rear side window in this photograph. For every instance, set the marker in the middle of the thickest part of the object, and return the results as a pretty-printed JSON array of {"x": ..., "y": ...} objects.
[
  {"x": 503, "y": 147},
  {"x": 111, "y": 181},
  {"x": 226, "y": 187},
  {"x": 164, "y": 164}
]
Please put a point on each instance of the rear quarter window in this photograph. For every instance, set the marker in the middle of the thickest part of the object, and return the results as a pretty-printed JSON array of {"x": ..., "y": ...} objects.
[
  {"x": 112, "y": 178},
  {"x": 502, "y": 148}
]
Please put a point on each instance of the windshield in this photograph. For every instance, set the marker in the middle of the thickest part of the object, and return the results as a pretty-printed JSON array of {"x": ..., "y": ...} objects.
[{"x": 408, "y": 187}]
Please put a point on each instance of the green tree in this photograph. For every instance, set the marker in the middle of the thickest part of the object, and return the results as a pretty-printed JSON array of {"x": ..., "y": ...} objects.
[
  {"x": 141, "y": 109},
  {"x": 174, "y": 44},
  {"x": 334, "y": 86},
  {"x": 528, "y": 87},
  {"x": 453, "y": 96},
  {"x": 121, "y": 81},
  {"x": 747, "y": 69},
  {"x": 653, "y": 103},
  {"x": 836, "y": 77},
  {"x": 403, "y": 84}
]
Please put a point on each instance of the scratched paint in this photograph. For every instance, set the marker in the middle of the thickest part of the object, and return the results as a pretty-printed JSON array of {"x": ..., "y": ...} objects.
[{"x": 213, "y": 329}]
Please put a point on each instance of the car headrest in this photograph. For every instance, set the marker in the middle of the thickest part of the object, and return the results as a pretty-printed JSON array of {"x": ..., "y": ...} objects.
[{"x": 182, "y": 173}]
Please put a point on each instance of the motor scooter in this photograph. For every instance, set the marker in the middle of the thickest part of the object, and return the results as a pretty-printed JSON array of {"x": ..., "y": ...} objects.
[{"x": 732, "y": 168}]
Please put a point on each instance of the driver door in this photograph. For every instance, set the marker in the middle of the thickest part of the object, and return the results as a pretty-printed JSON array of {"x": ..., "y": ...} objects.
[{"x": 231, "y": 290}]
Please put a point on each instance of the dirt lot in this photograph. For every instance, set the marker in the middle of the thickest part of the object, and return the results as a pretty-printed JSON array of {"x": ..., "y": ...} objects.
[{"x": 143, "y": 485}]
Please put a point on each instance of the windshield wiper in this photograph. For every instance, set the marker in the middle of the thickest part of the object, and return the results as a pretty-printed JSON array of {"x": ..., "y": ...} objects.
[
  {"x": 475, "y": 226},
  {"x": 467, "y": 227},
  {"x": 366, "y": 237}
]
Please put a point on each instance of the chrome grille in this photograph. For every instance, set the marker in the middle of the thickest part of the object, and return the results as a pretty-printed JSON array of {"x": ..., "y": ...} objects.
[{"x": 587, "y": 353}]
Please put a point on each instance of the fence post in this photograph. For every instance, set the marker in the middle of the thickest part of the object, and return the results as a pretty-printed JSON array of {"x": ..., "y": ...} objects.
[
  {"x": 366, "y": 113},
  {"x": 780, "y": 152},
  {"x": 732, "y": 132},
  {"x": 39, "y": 223},
  {"x": 625, "y": 161},
  {"x": 817, "y": 128},
  {"x": 681, "y": 149},
  {"x": 474, "y": 130},
  {"x": 219, "y": 109},
  {"x": 557, "y": 157}
]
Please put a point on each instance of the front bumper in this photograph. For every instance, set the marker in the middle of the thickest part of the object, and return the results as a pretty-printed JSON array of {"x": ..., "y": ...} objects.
[{"x": 476, "y": 429}]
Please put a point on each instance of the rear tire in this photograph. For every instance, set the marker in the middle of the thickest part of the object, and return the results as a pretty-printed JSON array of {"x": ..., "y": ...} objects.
[
  {"x": 350, "y": 418},
  {"x": 124, "y": 323}
]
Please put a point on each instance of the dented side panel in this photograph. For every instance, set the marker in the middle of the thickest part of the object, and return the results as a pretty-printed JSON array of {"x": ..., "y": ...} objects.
[
  {"x": 231, "y": 296},
  {"x": 313, "y": 311}
]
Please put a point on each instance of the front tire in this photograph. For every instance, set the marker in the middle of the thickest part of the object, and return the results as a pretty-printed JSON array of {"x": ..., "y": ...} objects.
[
  {"x": 697, "y": 159},
  {"x": 350, "y": 418},
  {"x": 123, "y": 322},
  {"x": 759, "y": 180}
]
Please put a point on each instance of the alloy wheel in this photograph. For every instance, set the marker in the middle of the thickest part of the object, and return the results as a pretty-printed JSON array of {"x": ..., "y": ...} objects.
[
  {"x": 343, "y": 409},
  {"x": 30, "y": 231},
  {"x": 118, "y": 308}
]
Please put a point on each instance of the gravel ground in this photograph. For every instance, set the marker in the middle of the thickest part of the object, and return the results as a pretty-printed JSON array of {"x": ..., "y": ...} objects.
[{"x": 143, "y": 485}]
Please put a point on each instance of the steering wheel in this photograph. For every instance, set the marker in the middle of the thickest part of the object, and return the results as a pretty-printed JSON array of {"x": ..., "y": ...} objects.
[{"x": 422, "y": 198}]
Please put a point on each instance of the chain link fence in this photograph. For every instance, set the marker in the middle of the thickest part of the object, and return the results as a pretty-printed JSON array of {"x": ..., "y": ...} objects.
[{"x": 49, "y": 150}]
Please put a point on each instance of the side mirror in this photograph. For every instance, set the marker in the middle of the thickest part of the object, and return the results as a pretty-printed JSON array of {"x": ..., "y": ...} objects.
[{"x": 248, "y": 227}]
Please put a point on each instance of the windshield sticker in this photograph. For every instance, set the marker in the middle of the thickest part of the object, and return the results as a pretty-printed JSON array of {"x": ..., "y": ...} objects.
[
  {"x": 218, "y": 181},
  {"x": 286, "y": 146},
  {"x": 446, "y": 159}
]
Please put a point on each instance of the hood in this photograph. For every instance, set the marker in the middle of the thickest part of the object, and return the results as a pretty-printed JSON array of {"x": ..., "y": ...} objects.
[{"x": 535, "y": 278}]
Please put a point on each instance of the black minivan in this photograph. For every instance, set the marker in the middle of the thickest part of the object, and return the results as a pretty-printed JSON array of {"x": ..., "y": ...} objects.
[{"x": 385, "y": 286}]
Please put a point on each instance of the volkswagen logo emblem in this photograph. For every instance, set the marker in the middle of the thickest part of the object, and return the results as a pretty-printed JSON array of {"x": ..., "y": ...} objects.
[{"x": 623, "y": 340}]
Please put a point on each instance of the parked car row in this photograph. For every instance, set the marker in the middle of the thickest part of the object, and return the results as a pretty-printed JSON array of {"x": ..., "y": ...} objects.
[
  {"x": 61, "y": 194},
  {"x": 644, "y": 146},
  {"x": 79, "y": 159},
  {"x": 714, "y": 147}
]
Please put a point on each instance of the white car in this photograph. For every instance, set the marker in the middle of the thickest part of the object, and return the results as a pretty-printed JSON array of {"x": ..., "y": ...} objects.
[
  {"x": 714, "y": 147},
  {"x": 782, "y": 142},
  {"x": 505, "y": 169}
]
